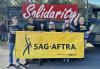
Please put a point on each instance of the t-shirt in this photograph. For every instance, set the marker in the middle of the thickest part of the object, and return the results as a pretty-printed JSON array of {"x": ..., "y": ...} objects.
[
  {"x": 67, "y": 29},
  {"x": 30, "y": 27},
  {"x": 13, "y": 36},
  {"x": 3, "y": 28},
  {"x": 81, "y": 28}
]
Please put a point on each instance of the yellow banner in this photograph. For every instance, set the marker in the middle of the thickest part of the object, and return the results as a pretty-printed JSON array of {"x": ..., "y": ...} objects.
[{"x": 49, "y": 45}]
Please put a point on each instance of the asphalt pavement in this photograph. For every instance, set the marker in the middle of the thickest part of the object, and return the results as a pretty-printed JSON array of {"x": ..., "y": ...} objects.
[{"x": 91, "y": 61}]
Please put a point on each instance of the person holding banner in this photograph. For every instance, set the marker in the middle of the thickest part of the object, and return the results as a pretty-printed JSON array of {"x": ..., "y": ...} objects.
[
  {"x": 30, "y": 26},
  {"x": 42, "y": 29},
  {"x": 80, "y": 26},
  {"x": 66, "y": 28},
  {"x": 51, "y": 27},
  {"x": 43, "y": 26},
  {"x": 11, "y": 43}
]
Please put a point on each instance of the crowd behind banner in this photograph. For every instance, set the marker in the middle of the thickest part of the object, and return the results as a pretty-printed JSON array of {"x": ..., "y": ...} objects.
[{"x": 47, "y": 25}]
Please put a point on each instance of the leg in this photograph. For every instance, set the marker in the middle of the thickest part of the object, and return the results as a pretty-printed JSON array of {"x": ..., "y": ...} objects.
[
  {"x": 85, "y": 41},
  {"x": 5, "y": 36},
  {"x": 11, "y": 48},
  {"x": 66, "y": 60},
  {"x": 27, "y": 62},
  {"x": 17, "y": 60},
  {"x": 2, "y": 36}
]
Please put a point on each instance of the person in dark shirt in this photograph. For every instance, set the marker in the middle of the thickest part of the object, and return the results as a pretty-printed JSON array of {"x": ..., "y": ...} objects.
[
  {"x": 3, "y": 29},
  {"x": 43, "y": 26},
  {"x": 66, "y": 26},
  {"x": 80, "y": 26},
  {"x": 51, "y": 27},
  {"x": 30, "y": 26},
  {"x": 12, "y": 36}
]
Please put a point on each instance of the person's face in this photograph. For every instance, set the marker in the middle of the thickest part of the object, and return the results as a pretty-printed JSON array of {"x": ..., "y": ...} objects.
[
  {"x": 51, "y": 25},
  {"x": 30, "y": 20},
  {"x": 67, "y": 23},
  {"x": 42, "y": 25},
  {"x": 15, "y": 21},
  {"x": 81, "y": 20}
]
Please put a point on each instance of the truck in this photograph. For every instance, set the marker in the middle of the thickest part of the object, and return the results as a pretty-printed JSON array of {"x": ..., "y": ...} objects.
[{"x": 94, "y": 37}]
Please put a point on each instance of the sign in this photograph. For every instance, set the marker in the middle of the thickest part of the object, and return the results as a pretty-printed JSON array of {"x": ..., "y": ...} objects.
[
  {"x": 49, "y": 45},
  {"x": 47, "y": 11},
  {"x": 14, "y": 11}
]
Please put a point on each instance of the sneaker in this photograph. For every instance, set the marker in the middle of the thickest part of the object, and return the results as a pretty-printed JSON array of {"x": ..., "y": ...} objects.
[
  {"x": 10, "y": 65},
  {"x": 18, "y": 63},
  {"x": 27, "y": 63},
  {"x": 64, "y": 60}
]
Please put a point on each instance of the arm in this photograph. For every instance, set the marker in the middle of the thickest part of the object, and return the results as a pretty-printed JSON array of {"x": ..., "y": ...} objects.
[
  {"x": 76, "y": 19},
  {"x": 90, "y": 29},
  {"x": 11, "y": 31}
]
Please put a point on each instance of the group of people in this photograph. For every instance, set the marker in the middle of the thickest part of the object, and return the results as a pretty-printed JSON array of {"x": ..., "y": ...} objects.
[{"x": 78, "y": 25}]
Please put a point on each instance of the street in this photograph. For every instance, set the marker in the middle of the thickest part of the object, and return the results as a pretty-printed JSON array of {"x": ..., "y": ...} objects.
[{"x": 91, "y": 61}]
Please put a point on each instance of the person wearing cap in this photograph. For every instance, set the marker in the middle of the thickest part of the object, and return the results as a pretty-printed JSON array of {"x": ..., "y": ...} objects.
[{"x": 11, "y": 40}]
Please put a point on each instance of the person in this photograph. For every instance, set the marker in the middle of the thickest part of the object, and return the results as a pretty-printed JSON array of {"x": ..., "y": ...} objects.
[
  {"x": 30, "y": 26},
  {"x": 0, "y": 30},
  {"x": 80, "y": 26},
  {"x": 51, "y": 27},
  {"x": 42, "y": 26},
  {"x": 4, "y": 31},
  {"x": 42, "y": 29},
  {"x": 66, "y": 28},
  {"x": 11, "y": 42}
]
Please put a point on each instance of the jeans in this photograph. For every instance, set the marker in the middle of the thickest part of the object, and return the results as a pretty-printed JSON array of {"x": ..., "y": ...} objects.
[
  {"x": 86, "y": 35},
  {"x": 4, "y": 36},
  {"x": 11, "y": 48}
]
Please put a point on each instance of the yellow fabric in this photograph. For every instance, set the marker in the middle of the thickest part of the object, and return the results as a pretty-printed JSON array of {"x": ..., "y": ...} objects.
[{"x": 49, "y": 45}]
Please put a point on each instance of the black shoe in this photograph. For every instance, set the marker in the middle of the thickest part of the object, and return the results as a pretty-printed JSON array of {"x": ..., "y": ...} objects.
[
  {"x": 10, "y": 65},
  {"x": 18, "y": 64},
  {"x": 27, "y": 63}
]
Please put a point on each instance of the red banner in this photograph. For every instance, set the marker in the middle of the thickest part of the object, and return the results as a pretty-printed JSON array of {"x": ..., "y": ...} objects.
[{"x": 47, "y": 11}]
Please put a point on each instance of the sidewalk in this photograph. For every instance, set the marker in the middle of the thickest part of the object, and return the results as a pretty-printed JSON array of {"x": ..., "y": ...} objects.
[
  {"x": 4, "y": 61},
  {"x": 4, "y": 56}
]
